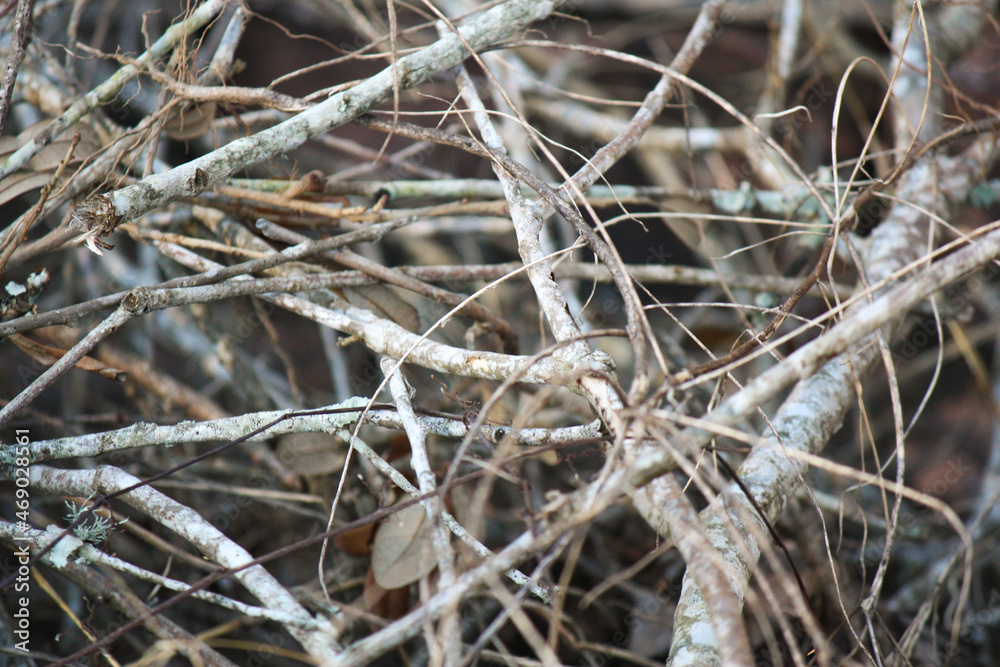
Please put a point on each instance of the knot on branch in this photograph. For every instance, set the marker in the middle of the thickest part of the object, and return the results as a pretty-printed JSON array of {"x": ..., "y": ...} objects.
[
  {"x": 138, "y": 301},
  {"x": 602, "y": 361},
  {"x": 198, "y": 182},
  {"x": 96, "y": 217},
  {"x": 314, "y": 181}
]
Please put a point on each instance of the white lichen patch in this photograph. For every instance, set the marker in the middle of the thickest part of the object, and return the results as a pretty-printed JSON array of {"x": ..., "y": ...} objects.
[
  {"x": 64, "y": 548},
  {"x": 16, "y": 289}
]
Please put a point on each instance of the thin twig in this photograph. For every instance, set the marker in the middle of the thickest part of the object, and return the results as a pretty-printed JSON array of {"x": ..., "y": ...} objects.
[
  {"x": 99, "y": 215},
  {"x": 131, "y": 307},
  {"x": 15, "y": 55},
  {"x": 111, "y": 86}
]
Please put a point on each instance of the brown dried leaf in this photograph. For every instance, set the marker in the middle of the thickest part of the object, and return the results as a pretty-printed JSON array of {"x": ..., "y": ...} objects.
[
  {"x": 387, "y": 604},
  {"x": 403, "y": 552},
  {"x": 49, "y": 355},
  {"x": 192, "y": 121},
  {"x": 356, "y": 541},
  {"x": 311, "y": 454},
  {"x": 50, "y": 156},
  {"x": 48, "y": 159},
  {"x": 40, "y": 168},
  {"x": 19, "y": 183},
  {"x": 385, "y": 303},
  {"x": 373, "y": 594}
]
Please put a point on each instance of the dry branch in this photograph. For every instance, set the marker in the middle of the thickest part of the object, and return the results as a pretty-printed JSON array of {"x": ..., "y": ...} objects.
[
  {"x": 470, "y": 359},
  {"x": 100, "y": 215}
]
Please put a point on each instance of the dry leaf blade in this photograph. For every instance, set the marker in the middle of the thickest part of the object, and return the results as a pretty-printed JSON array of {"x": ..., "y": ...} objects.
[{"x": 403, "y": 551}]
